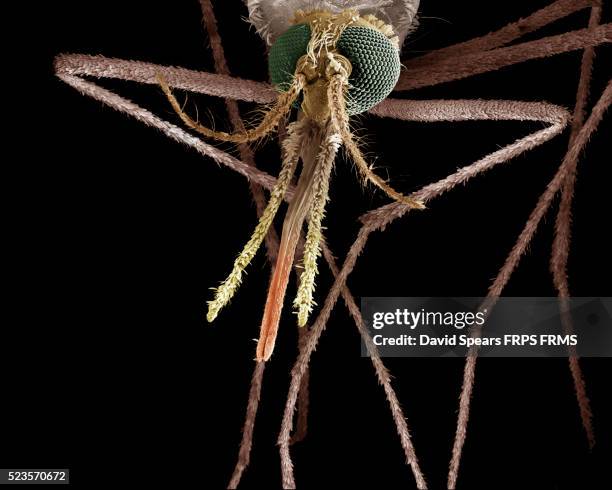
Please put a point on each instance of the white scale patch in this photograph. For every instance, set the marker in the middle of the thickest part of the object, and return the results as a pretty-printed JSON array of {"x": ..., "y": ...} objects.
[{"x": 273, "y": 17}]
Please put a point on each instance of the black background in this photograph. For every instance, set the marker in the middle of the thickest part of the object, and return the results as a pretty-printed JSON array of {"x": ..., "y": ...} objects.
[{"x": 115, "y": 235}]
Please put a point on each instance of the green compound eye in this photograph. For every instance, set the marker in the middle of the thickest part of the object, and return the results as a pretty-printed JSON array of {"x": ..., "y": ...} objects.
[
  {"x": 375, "y": 61},
  {"x": 376, "y": 67},
  {"x": 285, "y": 53}
]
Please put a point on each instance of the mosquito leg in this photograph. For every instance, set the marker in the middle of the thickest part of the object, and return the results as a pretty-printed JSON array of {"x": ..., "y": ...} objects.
[
  {"x": 543, "y": 17},
  {"x": 467, "y": 110},
  {"x": 303, "y": 402},
  {"x": 512, "y": 261},
  {"x": 304, "y": 355},
  {"x": 181, "y": 78},
  {"x": 471, "y": 64},
  {"x": 173, "y": 132},
  {"x": 384, "y": 378},
  {"x": 458, "y": 110},
  {"x": 244, "y": 454},
  {"x": 562, "y": 237}
]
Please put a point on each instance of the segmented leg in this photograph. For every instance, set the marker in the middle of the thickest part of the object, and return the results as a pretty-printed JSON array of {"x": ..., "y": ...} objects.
[
  {"x": 383, "y": 375},
  {"x": 244, "y": 454},
  {"x": 562, "y": 237},
  {"x": 173, "y": 132},
  {"x": 303, "y": 401},
  {"x": 510, "y": 32},
  {"x": 470, "y": 64},
  {"x": 79, "y": 65}
]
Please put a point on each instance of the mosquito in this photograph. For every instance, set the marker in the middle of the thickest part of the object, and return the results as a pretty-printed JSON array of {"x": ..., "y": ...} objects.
[
  {"x": 331, "y": 60},
  {"x": 326, "y": 57}
]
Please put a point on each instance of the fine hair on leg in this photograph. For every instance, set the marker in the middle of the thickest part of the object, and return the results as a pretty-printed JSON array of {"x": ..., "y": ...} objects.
[
  {"x": 244, "y": 453},
  {"x": 562, "y": 236},
  {"x": 383, "y": 375},
  {"x": 216, "y": 85},
  {"x": 470, "y": 64},
  {"x": 510, "y": 32},
  {"x": 511, "y": 262},
  {"x": 303, "y": 401}
]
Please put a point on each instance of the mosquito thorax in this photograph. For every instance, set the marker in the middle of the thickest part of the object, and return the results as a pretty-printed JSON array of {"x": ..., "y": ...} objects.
[{"x": 321, "y": 43}]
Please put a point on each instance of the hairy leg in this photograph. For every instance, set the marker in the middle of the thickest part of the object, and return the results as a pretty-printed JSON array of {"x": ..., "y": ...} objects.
[
  {"x": 382, "y": 373},
  {"x": 470, "y": 64},
  {"x": 378, "y": 219},
  {"x": 173, "y": 132},
  {"x": 138, "y": 71},
  {"x": 303, "y": 401},
  {"x": 244, "y": 454},
  {"x": 543, "y": 17},
  {"x": 512, "y": 260},
  {"x": 562, "y": 237}
]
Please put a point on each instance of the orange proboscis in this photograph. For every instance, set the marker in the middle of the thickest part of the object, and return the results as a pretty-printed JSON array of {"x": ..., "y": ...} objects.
[{"x": 296, "y": 214}]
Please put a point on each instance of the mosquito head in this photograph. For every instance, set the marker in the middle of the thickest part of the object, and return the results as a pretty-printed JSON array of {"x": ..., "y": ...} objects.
[{"x": 322, "y": 44}]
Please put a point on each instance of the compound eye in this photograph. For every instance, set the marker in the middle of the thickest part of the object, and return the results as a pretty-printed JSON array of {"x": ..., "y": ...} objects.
[
  {"x": 374, "y": 59},
  {"x": 285, "y": 53},
  {"x": 376, "y": 67}
]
